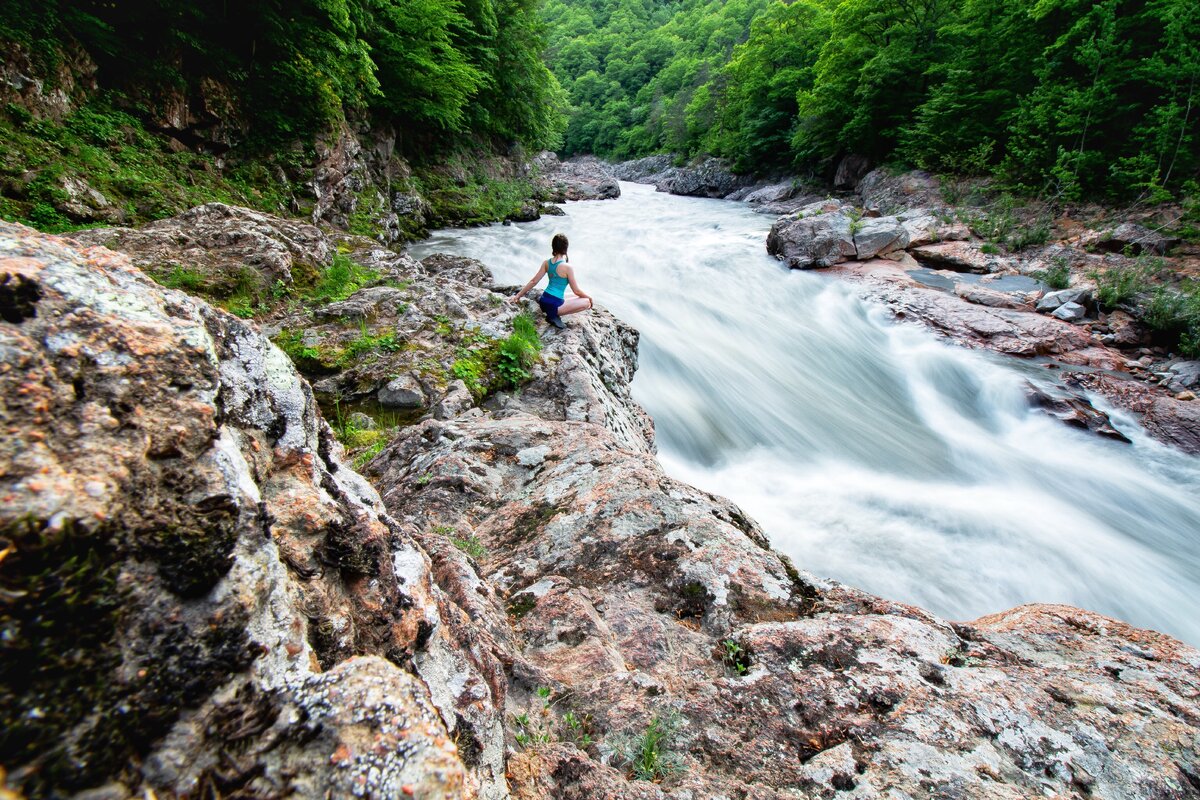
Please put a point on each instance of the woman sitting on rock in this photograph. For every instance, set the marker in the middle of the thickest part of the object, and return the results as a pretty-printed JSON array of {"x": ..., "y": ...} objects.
[{"x": 552, "y": 302}]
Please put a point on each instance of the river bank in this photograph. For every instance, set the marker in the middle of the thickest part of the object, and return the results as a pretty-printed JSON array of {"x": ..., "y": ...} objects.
[{"x": 519, "y": 602}]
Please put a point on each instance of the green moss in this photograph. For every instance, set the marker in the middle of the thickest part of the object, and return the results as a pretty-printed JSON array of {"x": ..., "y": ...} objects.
[{"x": 134, "y": 169}]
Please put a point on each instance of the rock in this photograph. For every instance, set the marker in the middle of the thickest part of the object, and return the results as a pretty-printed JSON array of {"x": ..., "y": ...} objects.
[
  {"x": 551, "y": 210},
  {"x": 1075, "y": 410},
  {"x": 529, "y": 211},
  {"x": 404, "y": 391},
  {"x": 458, "y": 268},
  {"x": 642, "y": 170},
  {"x": 774, "y": 193},
  {"x": 1004, "y": 330},
  {"x": 958, "y": 256},
  {"x": 890, "y": 193},
  {"x": 878, "y": 237},
  {"x": 709, "y": 177},
  {"x": 84, "y": 203},
  {"x": 1136, "y": 239},
  {"x": 456, "y": 400},
  {"x": 582, "y": 178},
  {"x": 364, "y": 304},
  {"x": 1185, "y": 396},
  {"x": 1123, "y": 329},
  {"x": 983, "y": 296},
  {"x": 624, "y": 586},
  {"x": 812, "y": 242},
  {"x": 1187, "y": 373},
  {"x": 1070, "y": 312},
  {"x": 1170, "y": 420},
  {"x": 1052, "y": 300},
  {"x": 850, "y": 171},
  {"x": 361, "y": 421},
  {"x": 219, "y": 242},
  {"x": 226, "y": 565}
]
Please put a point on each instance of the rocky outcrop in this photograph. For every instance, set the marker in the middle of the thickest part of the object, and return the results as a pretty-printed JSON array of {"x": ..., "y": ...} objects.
[
  {"x": 642, "y": 170},
  {"x": 709, "y": 177},
  {"x": 1129, "y": 237},
  {"x": 586, "y": 178},
  {"x": 222, "y": 607},
  {"x": 218, "y": 241},
  {"x": 628, "y": 602},
  {"x": 198, "y": 596}
]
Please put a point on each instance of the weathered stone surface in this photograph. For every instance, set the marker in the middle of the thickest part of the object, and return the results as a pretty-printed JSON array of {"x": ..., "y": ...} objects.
[
  {"x": 224, "y": 557},
  {"x": 623, "y": 588},
  {"x": 959, "y": 256},
  {"x": 217, "y": 240},
  {"x": 584, "y": 178},
  {"x": 774, "y": 193},
  {"x": 879, "y": 236},
  {"x": 1006, "y": 330},
  {"x": 982, "y": 296},
  {"x": 642, "y": 170},
  {"x": 850, "y": 171},
  {"x": 402, "y": 392},
  {"x": 812, "y": 241},
  {"x": 1069, "y": 312},
  {"x": 1053, "y": 300},
  {"x": 1166, "y": 418},
  {"x": 708, "y": 177},
  {"x": 1075, "y": 410},
  {"x": 889, "y": 193},
  {"x": 1136, "y": 239}
]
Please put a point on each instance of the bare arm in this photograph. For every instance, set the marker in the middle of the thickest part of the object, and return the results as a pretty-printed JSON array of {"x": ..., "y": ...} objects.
[
  {"x": 575, "y": 286},
  {"x": 532, "y": 282}
]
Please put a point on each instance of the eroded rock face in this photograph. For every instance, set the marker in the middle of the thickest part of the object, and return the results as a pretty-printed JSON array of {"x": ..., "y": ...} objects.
[
  {"x": 709, "y": 177},
  {"x": 186, "y": 554},
  {"x": 218, "y": 240},
  {"x": 586, "y": 178},
  {"x": 625, "y": 597}
]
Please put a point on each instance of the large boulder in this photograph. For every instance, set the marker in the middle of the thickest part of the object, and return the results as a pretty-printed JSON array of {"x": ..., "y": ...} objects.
[
  {"x": 879, "y": 236},
  {"x": 190, "y": 568},
  {"x": 812, "y": 242},
  {"x": 960, "y": 257},
  {"x": 1053, "y": 300},
  {"x": 583, "y": 178},
  {"x": 1136, "y": 239},
  {"x": 642, "y": 170},
  {"x": 709, "y": 177}
]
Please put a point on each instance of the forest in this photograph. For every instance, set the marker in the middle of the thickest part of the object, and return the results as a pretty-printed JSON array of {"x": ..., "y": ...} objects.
[
  {"x": 433, "y": 68},
  {"x": 1064, "y": 98}
]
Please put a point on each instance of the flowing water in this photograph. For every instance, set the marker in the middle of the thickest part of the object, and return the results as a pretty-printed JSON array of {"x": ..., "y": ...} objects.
[{"x": 870, "y": 452}]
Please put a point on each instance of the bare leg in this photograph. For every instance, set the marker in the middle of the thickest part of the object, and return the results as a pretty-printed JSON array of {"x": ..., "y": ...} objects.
[{"x": 574, "y": 304}]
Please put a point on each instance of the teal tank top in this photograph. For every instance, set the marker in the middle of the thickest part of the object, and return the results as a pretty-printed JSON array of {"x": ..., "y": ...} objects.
[{"x": 557, "y": 285}]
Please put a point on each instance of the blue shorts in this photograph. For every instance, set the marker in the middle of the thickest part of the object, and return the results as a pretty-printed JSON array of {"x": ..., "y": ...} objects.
[{"x": 550, "y": 304}]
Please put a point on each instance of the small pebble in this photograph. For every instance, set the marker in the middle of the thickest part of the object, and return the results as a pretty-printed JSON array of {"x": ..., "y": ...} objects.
[{"x": 1186, "y": 396}]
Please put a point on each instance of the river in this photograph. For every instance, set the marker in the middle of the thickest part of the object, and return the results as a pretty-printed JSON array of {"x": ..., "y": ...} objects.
[{"x": 871, "y": 452}]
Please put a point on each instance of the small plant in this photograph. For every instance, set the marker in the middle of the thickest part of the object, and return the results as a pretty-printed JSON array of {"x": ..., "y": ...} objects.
[
  {"x": 1057, "y": 275},
  {"x": 470, "y": 545},
  {"x": 648, "y": 754},
  {"x": 989, "y": 248},
  {"x": 735, "y": 657},
  {"x": 1029, "y": 235},
  {"x": 424, "y": 479},
  {"x": 180, "y": 277},
  {"x": 342, "y": 278}
]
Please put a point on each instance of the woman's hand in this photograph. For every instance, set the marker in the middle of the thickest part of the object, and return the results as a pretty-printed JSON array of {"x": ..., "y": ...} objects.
[{"x": 516, "y": 298}]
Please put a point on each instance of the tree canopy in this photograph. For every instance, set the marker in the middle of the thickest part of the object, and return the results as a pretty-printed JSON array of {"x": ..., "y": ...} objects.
[{"x": 1072, "y": 97}]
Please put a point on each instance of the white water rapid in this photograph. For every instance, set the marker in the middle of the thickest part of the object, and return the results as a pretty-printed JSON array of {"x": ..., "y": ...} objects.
[{"x": 870, "y": 451}]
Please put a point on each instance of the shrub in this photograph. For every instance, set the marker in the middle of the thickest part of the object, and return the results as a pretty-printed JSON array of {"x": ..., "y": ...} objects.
[
  {"x": 1057, "y": 275},
  {"x": 1119, "y": 284}
]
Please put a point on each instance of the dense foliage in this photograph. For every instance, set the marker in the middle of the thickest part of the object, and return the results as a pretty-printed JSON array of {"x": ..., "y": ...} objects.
[
  {"x": 1069, "y": 97},
  {"x": 434, "y": 68}
]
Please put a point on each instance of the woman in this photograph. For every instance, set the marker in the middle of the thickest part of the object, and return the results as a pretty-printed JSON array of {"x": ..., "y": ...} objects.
[{"x": 552, "y": 302}]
